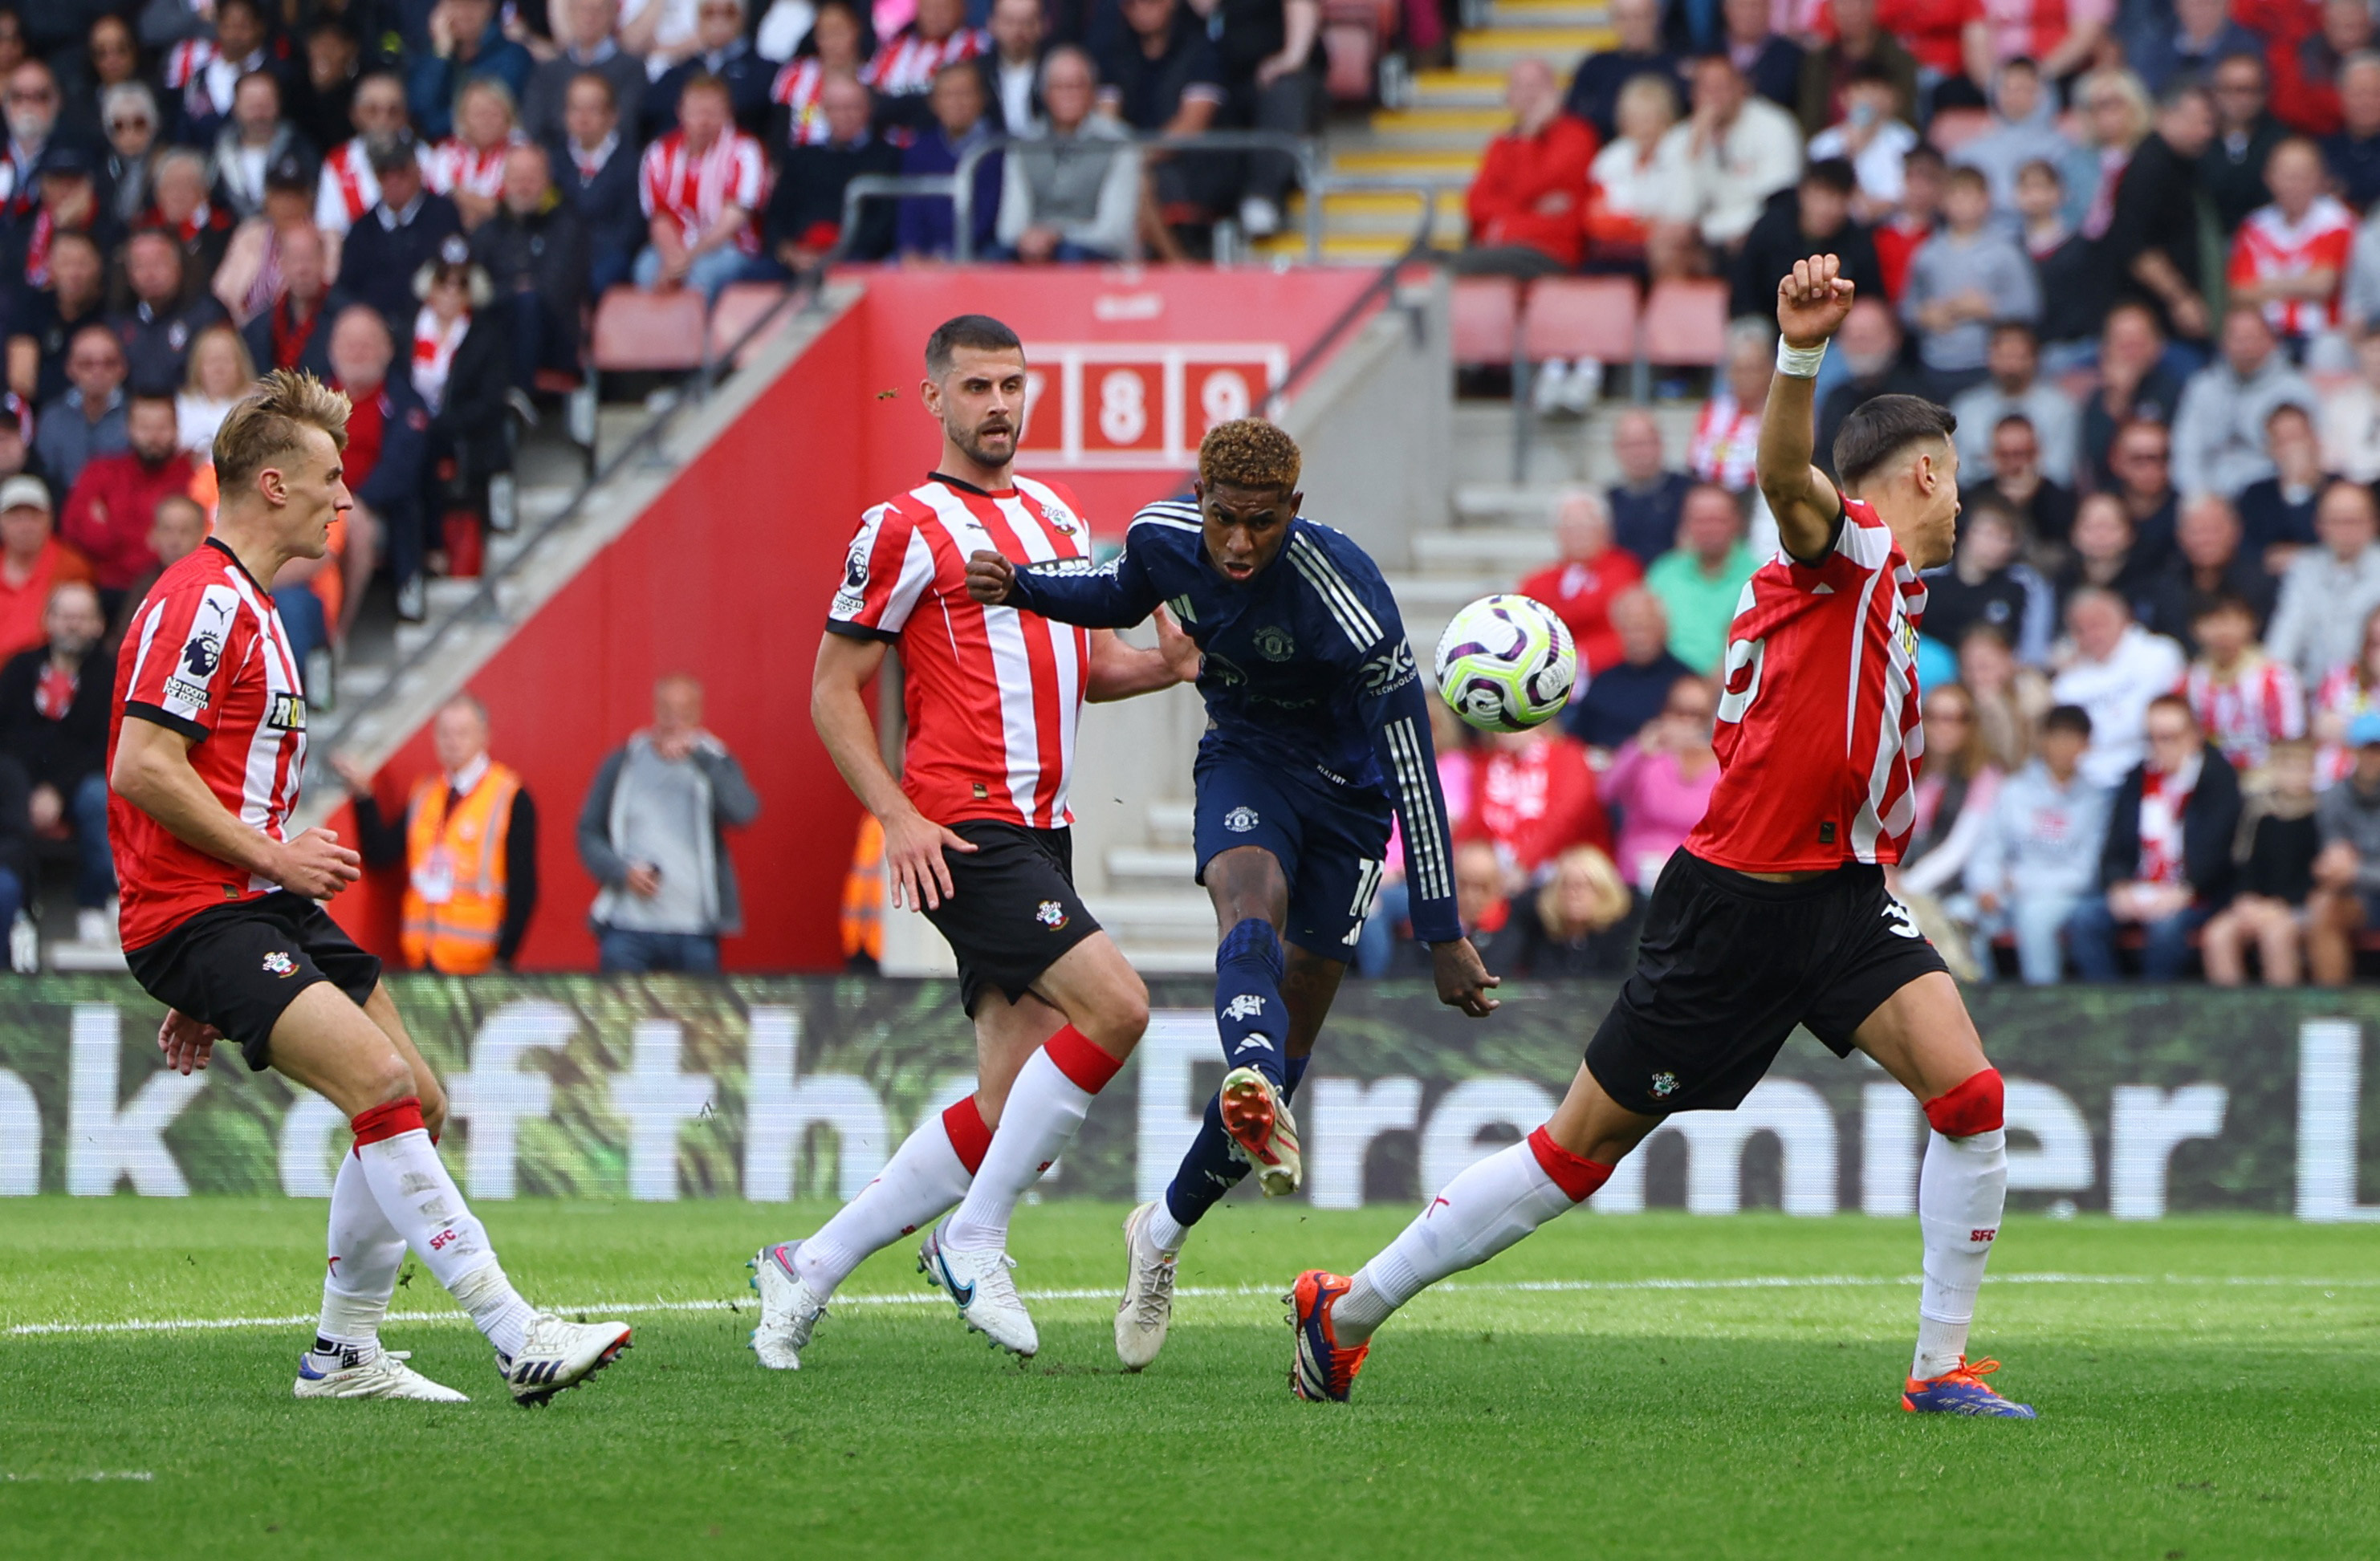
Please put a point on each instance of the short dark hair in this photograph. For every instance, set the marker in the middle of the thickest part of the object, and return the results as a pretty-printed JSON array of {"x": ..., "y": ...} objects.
[
  {"x": 1834, "y": 173},
  {"x": 2068, "y": 718},
  {"x": 2017, "y": 327},
  {"x": 1881, "y": 429},
  {"x": 2221, "y": 602},
  {"x": 981, "y": 332},
  {"x": 2021, "y": 62}
]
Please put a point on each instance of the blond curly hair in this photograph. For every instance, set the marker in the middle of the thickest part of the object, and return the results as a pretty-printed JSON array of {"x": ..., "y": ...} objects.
[
  {"x": 1249, "y": 453},
  {"x": 264, "y": 426}
]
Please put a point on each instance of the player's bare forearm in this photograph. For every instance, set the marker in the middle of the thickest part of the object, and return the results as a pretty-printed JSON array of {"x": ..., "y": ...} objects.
[
  {"x": 1119, "y": 670},
  {"x": 1811, "y": 303},
  {"x": 839, "y": 710},
  {"x": 152, "y": 772}
]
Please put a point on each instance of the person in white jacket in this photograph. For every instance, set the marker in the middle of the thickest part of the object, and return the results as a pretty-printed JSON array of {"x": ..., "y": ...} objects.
[
  {"x": 2037, "y": 855},
  {"x": 1724, "y": 162},
  {"x": 2118, "y": 668}
]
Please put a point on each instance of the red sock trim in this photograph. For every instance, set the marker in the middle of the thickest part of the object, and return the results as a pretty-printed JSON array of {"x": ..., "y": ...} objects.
[
  {"x": 1575, "y": 1174},
  {"x": 1079, "y": 1057},
  {"x": 388, "y": 1120},
  {"x": 1977, "y": 1105},
  {"x": 963, "y": 1124}
]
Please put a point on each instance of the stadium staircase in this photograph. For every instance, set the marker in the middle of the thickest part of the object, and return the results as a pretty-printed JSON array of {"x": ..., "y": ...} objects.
[{"x": 1436, "y": 134}]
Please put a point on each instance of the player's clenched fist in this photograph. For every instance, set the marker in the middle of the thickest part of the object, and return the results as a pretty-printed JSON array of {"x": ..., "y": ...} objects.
[
  {"x": 989, "y": 577},
  {"x": 316, "y": 866},
  {"x": 1812, "y": 302}
]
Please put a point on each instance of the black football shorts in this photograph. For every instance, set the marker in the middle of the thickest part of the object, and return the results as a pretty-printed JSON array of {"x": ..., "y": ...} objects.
[
  {"x": 1729, "y": 964},
  {"x": 238, "y": 967},
  {"x": 1013, "y": 911}
]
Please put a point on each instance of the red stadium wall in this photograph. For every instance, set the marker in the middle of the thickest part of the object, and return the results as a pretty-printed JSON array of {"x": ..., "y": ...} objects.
[{"x": 727, "y": 574}]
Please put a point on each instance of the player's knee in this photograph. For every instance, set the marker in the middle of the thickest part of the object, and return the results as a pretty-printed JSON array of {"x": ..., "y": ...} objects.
[
  {"x": 1124, "y": 1017},
  {"x": 433, "y": 1104},
  {"x": 1978, "y": 1104}
]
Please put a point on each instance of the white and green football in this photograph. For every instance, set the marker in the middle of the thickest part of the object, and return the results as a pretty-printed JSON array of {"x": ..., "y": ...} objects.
[{"x": 1506, "y": 663}]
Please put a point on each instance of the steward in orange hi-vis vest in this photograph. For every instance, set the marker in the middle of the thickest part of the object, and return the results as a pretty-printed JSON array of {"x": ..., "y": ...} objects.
[{"x": 454, "y": 873}]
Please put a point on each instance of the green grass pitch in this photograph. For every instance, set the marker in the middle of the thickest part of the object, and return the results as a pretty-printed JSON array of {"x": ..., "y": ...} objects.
[{"x": 2207, "y": 1389}]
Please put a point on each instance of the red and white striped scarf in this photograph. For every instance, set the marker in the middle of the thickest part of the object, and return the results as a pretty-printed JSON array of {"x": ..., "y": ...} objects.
[
  {"x": 456, "y": 164},
  {"x": 433, "y": 354}
]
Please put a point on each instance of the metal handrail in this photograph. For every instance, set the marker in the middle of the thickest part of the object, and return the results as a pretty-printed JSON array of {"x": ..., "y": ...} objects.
[{"x": 1383, "y": 285}]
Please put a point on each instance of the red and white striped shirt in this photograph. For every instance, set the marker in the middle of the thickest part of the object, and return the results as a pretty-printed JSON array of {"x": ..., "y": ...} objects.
[
  {"x": 2341, "y": 697},
  {"x": 698, "y": 190},
  {"x": 796, "y": 88},
  {"x": 2244, "y": 714},
  {"x": 196, "y": 68},
  {"x": 993, "y": 693},
  {"x": 1818, "y": 736},
  {"x": 2163, "y": 798},
  {"x": 207, "y": 658},
  {"x": 1726, "y": 439},
  {"x": 455, "y": 163},
  {"x": 908, "y": 64},
  {"x": 2269, "y": 246}
]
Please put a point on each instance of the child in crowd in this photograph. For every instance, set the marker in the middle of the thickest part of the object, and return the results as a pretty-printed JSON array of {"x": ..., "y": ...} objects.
[
  {"x": 2278, "y": 841},
  {"x": 2246, "y": 700}
]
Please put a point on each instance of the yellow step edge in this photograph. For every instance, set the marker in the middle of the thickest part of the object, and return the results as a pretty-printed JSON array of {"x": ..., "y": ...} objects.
[
  {"x": 1366, "y": 204},
  {"x": 1386, "y": 161},
  {"x": 1347, "y": 247},
  {"x": 1582, "y": 39},
  {"x": 1458, "y": 80},
  {"x": 1414, "y": 120}
]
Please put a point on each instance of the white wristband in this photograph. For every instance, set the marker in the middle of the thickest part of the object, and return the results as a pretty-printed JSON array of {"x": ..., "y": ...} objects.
[{"x": 1802, "y": 363}]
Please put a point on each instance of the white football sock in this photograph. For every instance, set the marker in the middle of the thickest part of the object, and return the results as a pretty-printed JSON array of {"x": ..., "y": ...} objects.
[
  {"x": 423, "y": 1204},
  {"x": 366, "y": 1252},
  {"x": 1168, "y": 1232},
  {"x": 924, "y": 1178},
  {"x": 1043, "y": 1111},
  {"x": 1486, "y": 1209},
  {"x": 1961, "y": 1188}
]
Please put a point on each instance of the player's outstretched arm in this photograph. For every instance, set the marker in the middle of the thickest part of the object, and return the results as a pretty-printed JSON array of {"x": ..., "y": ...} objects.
[
  {"x": 1071, "y": 591},
  {"x": 152, "y": 772},
  {"x": 1811, "y": 303},
  {"x": 916, "y": 875}
]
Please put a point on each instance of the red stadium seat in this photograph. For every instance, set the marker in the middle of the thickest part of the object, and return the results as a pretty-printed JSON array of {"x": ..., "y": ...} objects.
[
  {"x": 1954, "y": 128},
  {"x": 1484, "y": 315},
  {"x": 1569, "y": 317},
  {"x": 740, "y": 307},
  {"x": 1685, "y": 323},
  {"x": 636, "y": 331},
  {"x": 1355, "y": 34}
]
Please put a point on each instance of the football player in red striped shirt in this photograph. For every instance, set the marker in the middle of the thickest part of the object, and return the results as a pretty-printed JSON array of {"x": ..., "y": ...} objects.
[
  {"x": 974, "y": 836},
  {"x": 1774, "y": 913},
  {"x": 222, "y": 924}
]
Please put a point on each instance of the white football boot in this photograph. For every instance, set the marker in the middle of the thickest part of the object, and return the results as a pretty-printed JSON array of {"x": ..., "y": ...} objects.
[
  {"x": 789, "y": 1308},
  {"x": 385, "y": 1375},
  {"x": 986, "y": 1297},
  {"x": 559, "y": 1353},
  {"x": 1147, "y": 1307}
]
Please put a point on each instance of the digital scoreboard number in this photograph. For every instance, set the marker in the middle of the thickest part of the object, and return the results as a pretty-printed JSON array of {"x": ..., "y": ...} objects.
[{"x": 1121, "y": 407}]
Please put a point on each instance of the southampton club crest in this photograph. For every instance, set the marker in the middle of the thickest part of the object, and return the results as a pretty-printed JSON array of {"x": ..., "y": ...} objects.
[
  {"x": 1664, "y": 1085},
  {"x": 1051, "y": 915},
  {"x": 278, "y": 962},
  {"x": 1240, "y": 820}
]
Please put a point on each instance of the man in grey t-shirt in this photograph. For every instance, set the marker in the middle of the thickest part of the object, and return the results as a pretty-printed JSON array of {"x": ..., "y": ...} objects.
[{"x": 651, "y": 832}]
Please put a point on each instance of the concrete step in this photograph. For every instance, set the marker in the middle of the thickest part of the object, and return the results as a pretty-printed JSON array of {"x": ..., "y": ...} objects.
[
  {"x": 1450, "y": 171},
  {"x": 1499, "y": 49},
  {"x": 1472, "y": 550},
  {"x": 1458, "y": 88},
  {"x": 1444, "y": 594},
  {"x": 1363, "y": 214},
  {"x": 1171, "y": 823},
  {"x": 1502, "y": 505},
  {"x": 1534, "y": 15},
  {"x": 1435, "y": 125},
  {"x": 1168, "y": 959},
  {"x": 1181, "y": 917},
  {"x": 1142, "y": 866}
]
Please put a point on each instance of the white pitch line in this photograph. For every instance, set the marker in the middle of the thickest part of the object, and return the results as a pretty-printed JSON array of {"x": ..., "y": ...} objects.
[{"x": 1218, "y": 1292}]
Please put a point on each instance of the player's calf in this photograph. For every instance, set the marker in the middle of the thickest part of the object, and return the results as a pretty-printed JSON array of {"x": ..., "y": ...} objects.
[{"x": 1961, "y": 1191}]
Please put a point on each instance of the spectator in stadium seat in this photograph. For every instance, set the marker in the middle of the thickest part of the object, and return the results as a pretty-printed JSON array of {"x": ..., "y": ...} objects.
[
  {"x": 1595, "y": 89},
  {"x": 53, "y": 713},
  {"x": 2280, "y": 840},
  {"x": 386, "y": 458},
  {"x": 468, "y": 167},
  {"x": 2218, "y": 430},
  {"x": 2008, "y": 700},
  {"x": 702, "y": 186},
  {"x": 914, "y": 57},
  {"x": 1621, "y": 699},
  {"x": 295, "y": 331},
  {"x": 2353, "y": 154},
  {"x": 2244, "y": 701},
  {"x": 2327, "y": 591},
  {"x": 653, "y": 834},
  {"x": 319, "y": 95},
  {"x": 805, "y": 217},
  {"x": 128, "y": 116},
  {"x": 88, "y": 419},
  {"x": 1988, "y": 581},
  {"x": 1911, "y": 223},
  {"x": 2043, "y": 510},
  {"x": 254, "y": 138},
  {"x": 1270, "y": 51},
  {"x": 160, "y": 319},
  {"x": 1770, "y": 61},
  {"x": 2074, "y": 288},
  {"x": 109, "y": 513},
  {"x": 1826, "y": 69},
  {"x": 221, "y": 373},
  {"x": 1527, "y": 202},
  {"x": 2232, "y": 170},
  {"x": 1870, "y": 343},
  {"x": 1967, "y": 277},
  {"x": 2350, "y": 690},
  {"x": 2152, "y": 228},
  {"x": 722, "y": 51},
  {"x": 1647, "y": 499},
  {"x": 2065, "y": 36},
  {"x": 2306, "y": 67},
  {"x": 2210, "y": 563},
  {"x": 2167, "y": 864},
  {"x": 1874, "y": 138},
  {"x": 2134, "y": 386},
  {"x": 2346, "y": 897},
  {"x": 1623, "y": 183},
  {"x": 177, "y": 528},
  {"x": 41, "y": 325},
  {"x": 1701, "y": 578},
  {"x": 467, "y": 42},
  {"x": 346, "y": 188},
  {"x": 1590, "y": 573},
  {"x": 2276, "y": 511},
  {"x": 1162, "y": 78},
  {"x": 927, "y": 225},
  {"x": 1953, "y": 807},
  {"x": 33, "y": 563},
  {"x": 2351, "y": 415},
  {"x": 587, "y": 34},
  {"x": 205, "y": 73},
  {"x": 2118, "y": 668},
  {"x": 2195, "y": 41},
  {"x": 1580, "y": 923},
  {"x": 254, "y": 270},
  {"x": 596, "y": 170},
  {"x": 1661, "y": 780},
  {"x": 1074, "y": 193},
  {"x": 2105, "y": 555},
  {"x": 838, "y": 44},
  {"x": 1732, "y": 154},
  {"x": 1011, "y": 67},
  {"x": 2289, "y": 259},
  {"x": 66, "y": 200},
  {"x": 398, "y": 235},
  {"x": 1481, "y": 904},
  {"x": 2013, "y": 388},
  {"x": 466, "y": 837},
  {"x": 2039, "y": 851},
  {"x": 2024, "y": 130},
  {"x": 1726, "y": 434},
  {"x": 1533, "y": 797},
  {"x": 1812, "y": 218},
  {"x": 534, "y": 251},
  {"x": 462, "y": 366}
]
